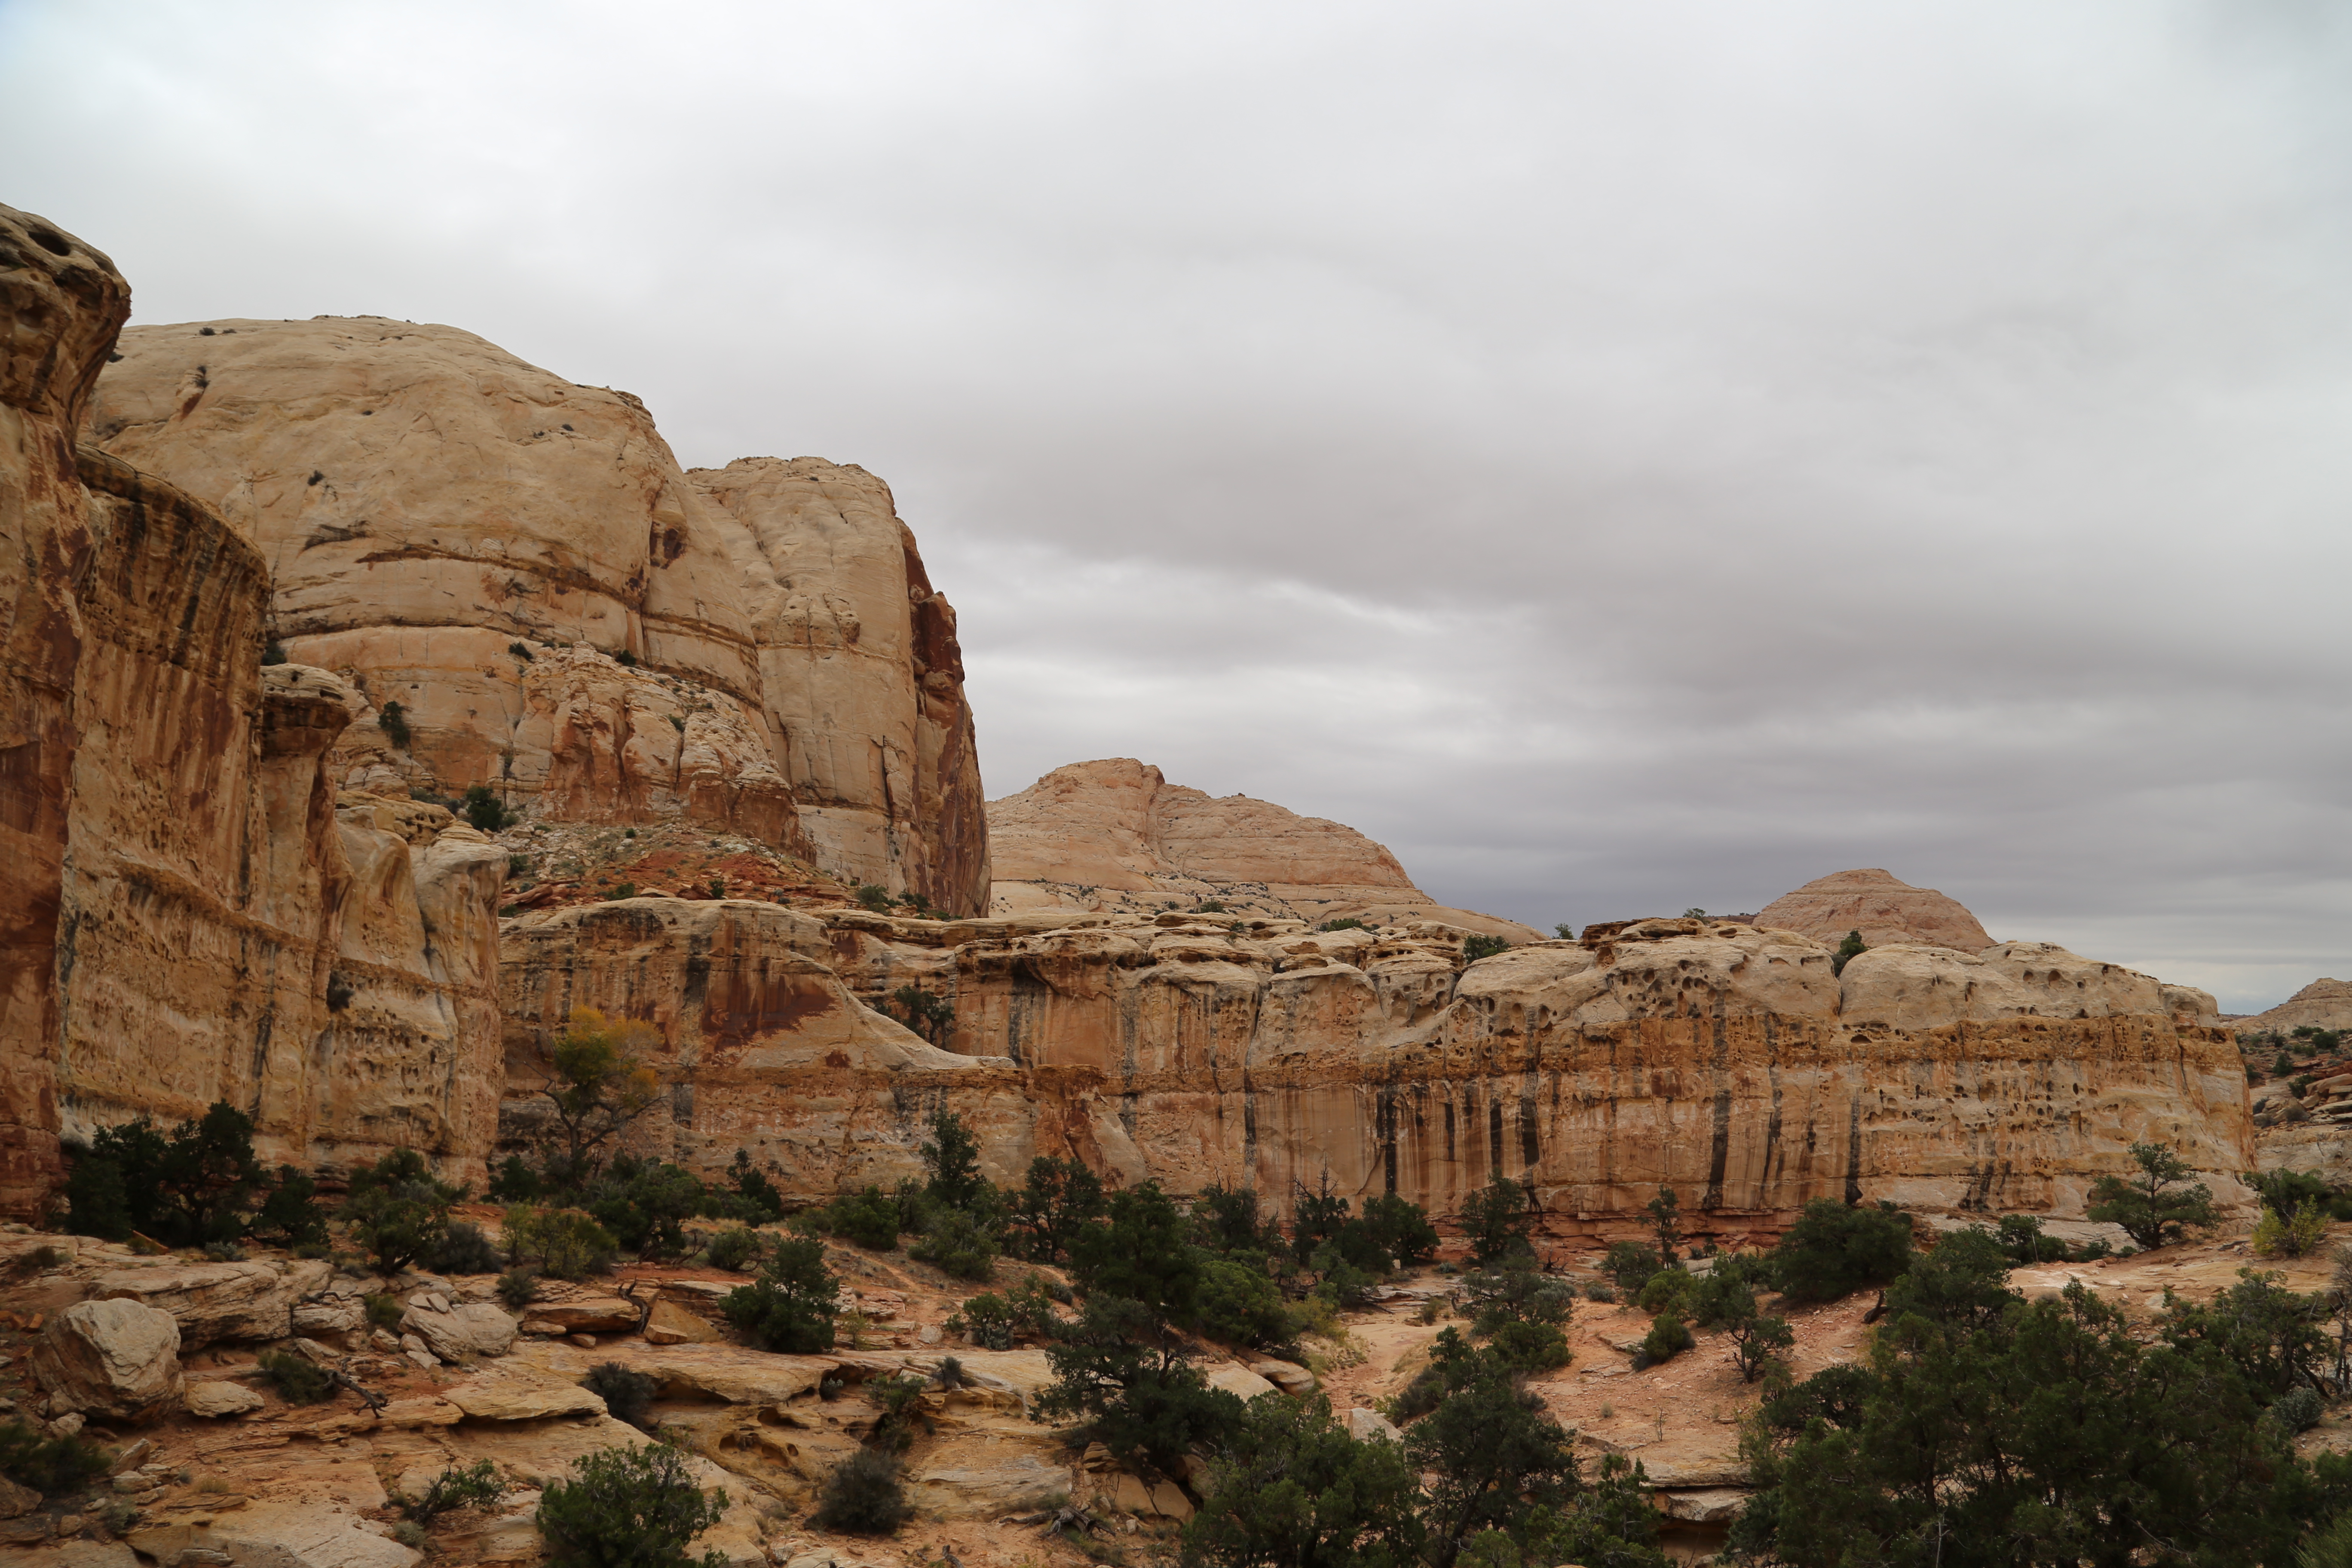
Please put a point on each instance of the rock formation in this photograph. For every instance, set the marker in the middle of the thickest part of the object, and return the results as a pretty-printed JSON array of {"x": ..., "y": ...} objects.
[
  {"x": 2322, "y": 1005},
  {"x": 558, "y": 609},
  {"x": 179, "y": 877},
  {"x": 1724, "y": 1059},
  {"x": 1881, "y": 909},
  {"x": 1115, "y": 836}
]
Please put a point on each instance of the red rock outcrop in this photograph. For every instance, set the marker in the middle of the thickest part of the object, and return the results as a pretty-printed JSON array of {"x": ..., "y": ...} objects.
[
  {"x": 1881, "y": 909},
  {"x": 558, "y": 609},
  {"x": 1114, "y": 834}
]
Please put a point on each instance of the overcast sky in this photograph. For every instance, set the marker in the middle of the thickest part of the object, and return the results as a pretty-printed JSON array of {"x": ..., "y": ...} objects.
[{"x": 1622, "y": 457}]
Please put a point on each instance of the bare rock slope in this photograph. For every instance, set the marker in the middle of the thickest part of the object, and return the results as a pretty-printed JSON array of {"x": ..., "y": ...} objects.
[
  {"x": 1115, "y": 834},
  {"x": 1881, "y": 907},
  {"x": 755, "y": 647}
]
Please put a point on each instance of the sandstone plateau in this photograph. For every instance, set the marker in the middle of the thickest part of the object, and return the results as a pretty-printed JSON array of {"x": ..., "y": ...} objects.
[
  {"x": 1115, "y": 836},
  {"x": 2322, "y": 1005},
  {"x": 1881, "y": 907}
]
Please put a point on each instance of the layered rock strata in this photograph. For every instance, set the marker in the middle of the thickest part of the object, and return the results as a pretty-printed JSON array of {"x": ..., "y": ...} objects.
[
  {"x": 558, "y": 609},
  {"x": 1881, "y": 907},
  {"x": 2322, "y": 1005},
  {"x": 1724, "y": 1059},
  {"x": 179, "y": 877},
  {"x": 1114, "y": 836}
]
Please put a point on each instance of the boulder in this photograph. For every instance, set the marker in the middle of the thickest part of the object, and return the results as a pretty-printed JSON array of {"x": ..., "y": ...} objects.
[
  {"x": 112, "y": 1358},
  {"x": 514, "y": 1393},
  {"x": 16, "y": 1501},
  {"x": 596, "y": 1315},
  {"x": 463, "y": 1331},
  {"x": 1364, "y": 1425},
  {"x": 214, "y": 1301},
  {"x": 672, "y": 1324},
  {"x": 218, "y": 1398}
]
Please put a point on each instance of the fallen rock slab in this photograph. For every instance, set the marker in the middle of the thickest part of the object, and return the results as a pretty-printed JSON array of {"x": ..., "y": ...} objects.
[
  {"x": 114, "y": 1358},
  {"x": 214, "y": 1301},
  {"x": 1716, "y": 1505},
  {"x": 520, "y": 1395},
  {"x": 461, "y": 1332},
  {"x": 218, "y": 1399},
  {"x": 597, "y": 1315}
]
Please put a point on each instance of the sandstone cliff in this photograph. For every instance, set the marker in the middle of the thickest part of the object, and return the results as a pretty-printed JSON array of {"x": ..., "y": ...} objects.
[
  {"x": 1723, "y": 1058},
  {"x": 557, "y": 608},
  {"x": 1115, "y": 836},
  {"x": 179, "y": 879},
  {"x": 1881, "y": 907}
]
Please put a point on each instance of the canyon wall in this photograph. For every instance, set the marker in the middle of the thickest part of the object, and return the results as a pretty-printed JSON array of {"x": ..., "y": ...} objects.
[
  {"x": 179, "y": 877},
  {"x": 559, "y": 610},
  {"x": 1726, "y": 1061}
]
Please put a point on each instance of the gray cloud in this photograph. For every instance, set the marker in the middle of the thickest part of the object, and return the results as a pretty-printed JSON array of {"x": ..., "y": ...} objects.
[{"x": 1621, "y": 456}]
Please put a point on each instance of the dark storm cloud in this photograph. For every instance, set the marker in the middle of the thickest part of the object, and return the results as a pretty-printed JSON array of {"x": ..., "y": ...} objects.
[{"x": 1621, "y": 456}]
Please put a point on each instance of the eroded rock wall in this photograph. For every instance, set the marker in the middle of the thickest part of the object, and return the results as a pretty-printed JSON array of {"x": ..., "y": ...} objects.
[
  {"x": 1724, "y": 1059},
  {"x": 61, "y": 304}
]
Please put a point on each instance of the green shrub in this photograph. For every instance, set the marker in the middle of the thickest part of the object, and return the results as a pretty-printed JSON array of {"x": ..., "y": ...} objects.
[
  {"x": 2298, "y": 1409},
  {"x": 182, "y": 1189},
  {"x": 645, "y": 1204},
  {"x": 1498, "y": 1220},
  {"x": 517, "y": 1288},
  {"x": 899, "y": 1401},
  {"x": 1834, "y": 1250},
  {"x": 959, "y": 1244},
  {"x": 464, "y": 1249},
  {"x": 862, "y": 1496},
  {"x": 397, "y": 1209},
  {"x": 875, "y": 897},
  {"x": 291, "y": 1213},
  {"x": 478, "y": 1486},
  {"x": 273, "y": 652},
  {"x": 297, "y": 1379},
  {"x": 1239, "y": 1304},
  {"x": 224, "y": 1252},
  {"x": 384, "y": 1312},
  {"x": 1399, "y": 1228},
  {"x": 568, "y": 1244},
  {"x": 520, "y": 650},
  {"x": 1603, "y": 1292},
  {"x": 1476, "y": 946},
  {"x": 52, "y": 1466},
  {"x": 989, "y": 1318},
  {"x": 1059, "y": 1198},
  {"x": 1345, "y": 922},
  {"x": 791, "y": 1306},
  {"x": 951, "y": 1160},
  {"x": 1669, "y": 1336},
  {"x": 2291, "y": 1235},
  {"x": 394, "y": 722},
  {"x": 627, "y": 1395},
  {"x": 735, "y": 1248},
  {"x": 1632, "y": 1265},
  {"x": 514, "y": 1182},
  {"x": 628, "y": 1508},
  {"x": 485, "y": 810},
  {"x": 1848, "y": 950},
  {"x": 2157, "y": 1204},
  {"x": 1119, "y": 1368},
  {"x": 1529, "y": 1347},
  {"x": 868, "y": 1219},
  {"x": 1668, "y": 1287}
]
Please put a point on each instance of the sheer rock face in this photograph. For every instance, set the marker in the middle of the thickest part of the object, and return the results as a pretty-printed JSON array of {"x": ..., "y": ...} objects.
[
  {"x": 490, "y": 547},
  {"x": 1881, "y": 909},
  {"x": 861, "y": 674},
  {"x": 760, "y": 1045},
  {"x": 1114, "y": 834},
  {"x": 1722, "y": 1058},
  {"x": 168, "y": 830},
  {"x": 61, "y": 304}
]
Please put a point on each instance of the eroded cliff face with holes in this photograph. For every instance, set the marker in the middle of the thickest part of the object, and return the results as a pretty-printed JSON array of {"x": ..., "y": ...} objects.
[
  {"x": 558, "y": 609},
  {"x": 1726, "y": 1060}
]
